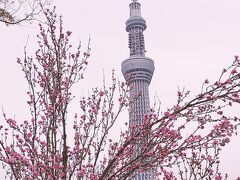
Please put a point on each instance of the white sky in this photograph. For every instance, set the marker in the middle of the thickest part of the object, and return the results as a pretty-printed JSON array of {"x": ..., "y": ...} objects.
[{"x": 189, "y": 40}]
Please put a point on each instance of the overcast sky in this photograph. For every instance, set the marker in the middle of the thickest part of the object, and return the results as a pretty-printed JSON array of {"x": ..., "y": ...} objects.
[{"x": 189, "y": 40}]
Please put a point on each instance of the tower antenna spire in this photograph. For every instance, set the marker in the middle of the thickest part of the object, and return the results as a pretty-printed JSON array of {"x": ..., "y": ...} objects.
[{"x": 135, "y": 26}]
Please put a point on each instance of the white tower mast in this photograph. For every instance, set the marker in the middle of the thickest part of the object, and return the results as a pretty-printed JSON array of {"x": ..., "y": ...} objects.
[{"x": 138, "y": 71}]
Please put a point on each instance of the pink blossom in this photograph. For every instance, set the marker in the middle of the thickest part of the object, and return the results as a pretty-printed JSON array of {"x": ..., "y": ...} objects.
[
  {"x": 217, "y": 83},
  {"x": 101, "y": 93},
  {"x": 236, "y": 57},
  {"x": 69, "y": 33},
  {"x": 12, "y": 122},
  {"x": 166, "y": 114},
  {"x": 81, "y": 173},
  {"x": 234, "y": 71},
  {"x": 229, "y": 81},
  {"x": 18, "y": 60},
  {"x": 209, "y": 158},
  {"x": 94, "y": 110},
  {"x": 218, "y": 177},
  {"x": 220, "y": 112}
]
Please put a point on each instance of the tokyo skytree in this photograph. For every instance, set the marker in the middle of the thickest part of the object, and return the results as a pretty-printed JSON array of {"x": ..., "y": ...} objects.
[{"x": 138, "y": 71}]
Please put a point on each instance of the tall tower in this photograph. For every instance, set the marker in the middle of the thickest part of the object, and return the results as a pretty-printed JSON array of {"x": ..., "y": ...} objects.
[{"x": 138, "y": 71}]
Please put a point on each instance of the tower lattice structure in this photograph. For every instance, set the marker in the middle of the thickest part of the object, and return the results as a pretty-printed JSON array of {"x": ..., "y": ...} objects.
[{"x": 138, "y": 71}]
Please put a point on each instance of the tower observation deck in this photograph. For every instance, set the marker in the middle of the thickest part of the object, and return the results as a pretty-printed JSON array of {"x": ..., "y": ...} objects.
[{"x": 138, "y": 71}]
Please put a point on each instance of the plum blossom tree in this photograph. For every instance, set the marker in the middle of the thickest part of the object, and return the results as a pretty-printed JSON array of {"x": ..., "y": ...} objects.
[
  {"x": 17, "y": 11},
  {"x": 183, "y": 142}
]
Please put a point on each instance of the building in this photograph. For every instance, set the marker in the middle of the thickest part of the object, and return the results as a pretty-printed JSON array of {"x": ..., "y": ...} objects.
[{"x": 138, "y": 71}]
